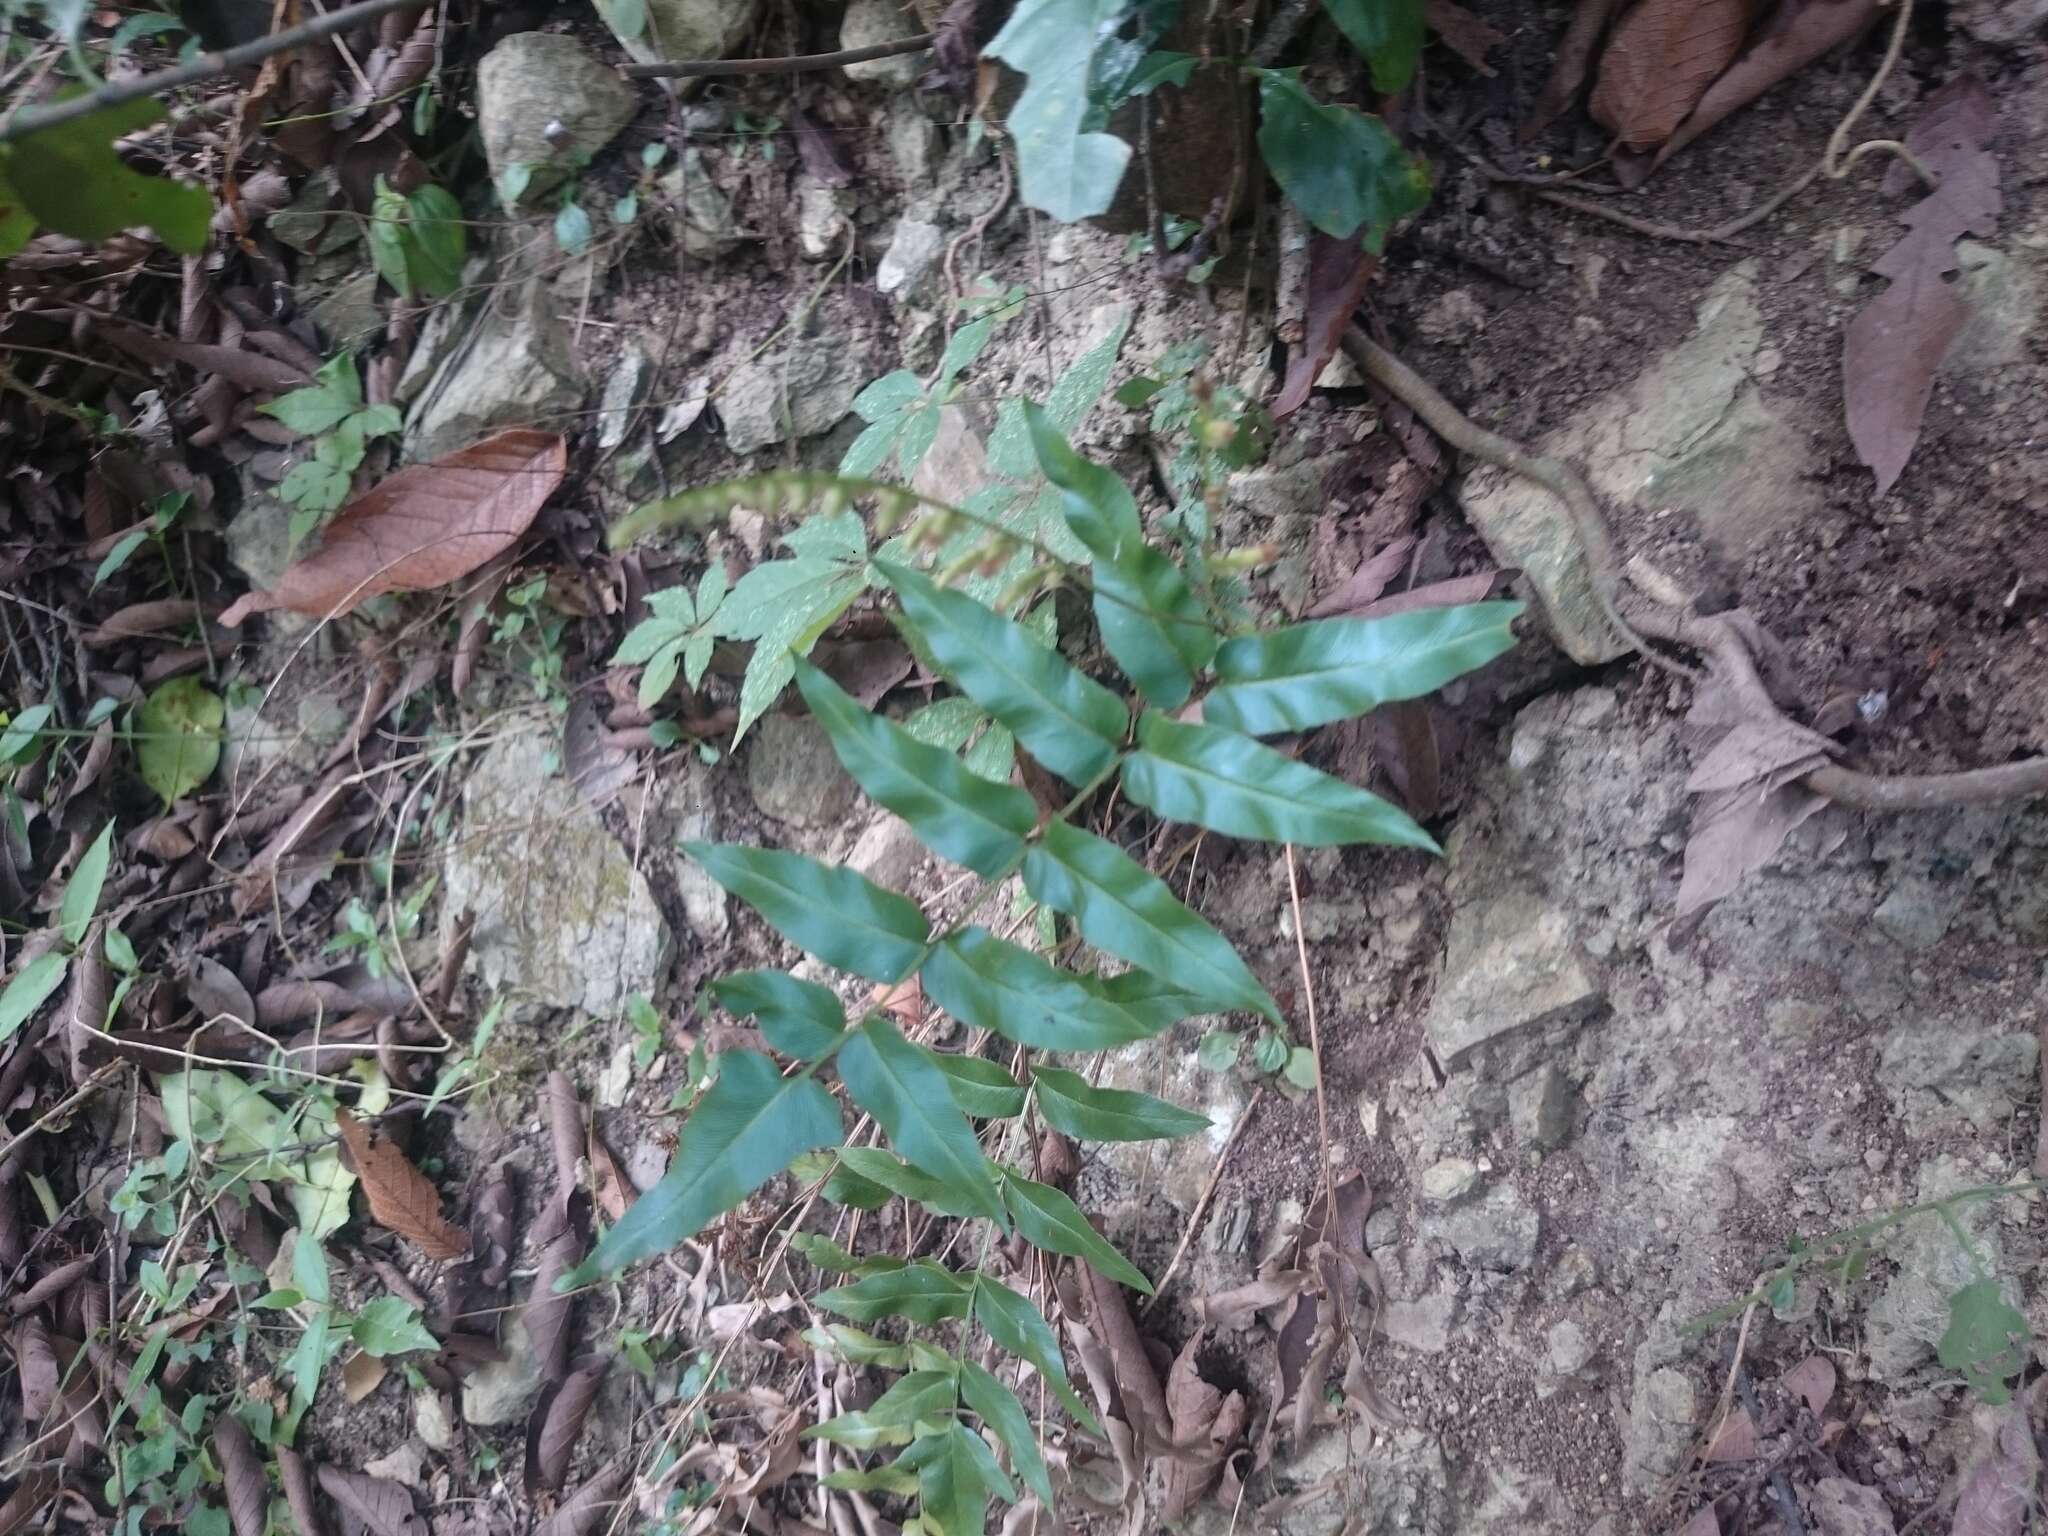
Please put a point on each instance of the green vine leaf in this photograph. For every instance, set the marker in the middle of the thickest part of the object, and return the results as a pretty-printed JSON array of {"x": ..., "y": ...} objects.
[
  {"x": 1305, "y": 675},
  {"x": 798, "y": 1018},
  {"x": 177, "y": 734},
  {"x": 335, "y": 394},
  {"x": 980, "y": 1087},
  {"x": 1000, "y": 1410},
  {"x": 1987, "y": 1340},
  {"x": 1018, "y": 1326},
  {"x": 1063, "y": 168},
  {"x": 783, "y": 606},
  {"x": 1344, "y": 170},
  {"x": 69, "y": 179},
  {"x": 81, "y": 897},
  {"x": 1387, "y": 32},
  {"x": 1067, "y": 721},
  {"x": 955, "y": 812},
  {"x": 844, "y": 919},
  {"x": 893, "y": 1080},
  {"x": 921, "y": 1292},
  {"x": 956, "y": 1473},
  {"x": 750, "y": 1125},
  {"x": 1049, "y": 1220},
  {"x": 1071, "y": 1104},
  {"x": 1234, "y": 785},
  {"x": 987, "y": 983},
  {"x": 1120, "y": 908},
  {"x": 893, "y": 1176}
]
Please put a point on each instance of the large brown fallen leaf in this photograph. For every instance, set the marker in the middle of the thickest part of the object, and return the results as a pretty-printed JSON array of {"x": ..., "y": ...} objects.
[
  {"x": 1659, "y": 62},
  {"x": 1797, "y": 33},
  {"x": 384, "y": 1507},
  {"x": 1463, "y": 33},
  {"x": 1998, "y": 1488},
  {"x": 590, "y": 1507},
  {"x": 1206, "y": 1424},
  {"x": 1899, "y": 338},
  {"x": 242, "y": 1470},
  {"x": 424, "y": 527},
  {"x": 556, "y": 1423},
  {"x": 1338, "y": 272},
  {"x": 401, "y": 1197}
]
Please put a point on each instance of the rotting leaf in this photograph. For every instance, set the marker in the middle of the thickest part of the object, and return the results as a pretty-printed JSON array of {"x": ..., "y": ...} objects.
[
  {"x": 1659, "y": 62},
  {"x": 1998, "y": 1488},
  {"x": 1338, "y": 271},
  {"x": 401, "y": 1197},
  {"x": 1206, "y": 1423},
  {"x": 1896, "y": 342},
  {"x": 248, "y": 1489},
  {"x": 382, "y": 1505},
  {"x": 1812, "y": 1379},
  {"x": 556, "y": 1423},
  {"x": 424, "y": 527},
  {"x": 608, "y": 1183}
]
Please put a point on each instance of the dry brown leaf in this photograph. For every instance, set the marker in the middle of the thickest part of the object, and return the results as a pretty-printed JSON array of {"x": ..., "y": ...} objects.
[
  {"x": 1812, "y": 1379},
  {"x": 1568, "y": 72},
  {"x": 556, "y": 1423},
  {"x": 401, "y": 1197},
  {"x": 1797, "y": 33},
  {"x": 1737, "y": 1440},
  {"x": 1659, "y": 62},
  {"x": 424, "y": 527},
  {"x": 565, "y": 1131},
  {"x": 1338, "y": 272},
  {"x": 1206, "y": 1424},
  {"x": 1998, "y": 1487},
  {"x": 298, "y": 1492},
  {"x": 241, "y": 1469},
  {"x": 1448, "y": 593},
  {"x": 218, "y": 993},
  {"x": 1239, "y": 1306},
  {"x": 1463, "y": 33},
  {"x": 1372, "y": 577},
  {"x": 608, "y": 1185},
  {"x": 1896, "y": 342},
  {"x": 1705, "y": 1523},
  {"x": 382, "y": 1505},
  {"x": 361, "y": 1374},
  {"x": 548, "y": 1313},
  {"x": 1137, "y": 1382},
  {"x": 31, "y": 1496},
  {"x": 902, "y": 1001},
  {"x": 590, "y": 1508}
]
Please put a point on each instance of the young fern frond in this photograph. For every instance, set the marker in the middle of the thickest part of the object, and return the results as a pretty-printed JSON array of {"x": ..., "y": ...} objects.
[{"x": 755, "y": 1121}]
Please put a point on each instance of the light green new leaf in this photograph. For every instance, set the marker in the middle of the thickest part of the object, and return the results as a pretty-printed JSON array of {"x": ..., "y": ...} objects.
[
  {"x": 1344, "y": 170},
  {"x": 1000, "y": 1410},
  {"x": 1074, "y": 1106},
  {"x": 1121, "y": 909},
  {"x": 987, "y": 983},
  {"x": 785, "y": 605},
  {"x": 798, "y": 1018},
  {"x": 177, "y": 734},
  {"x": 1151, "y": 621},
  {"x": 918, "y": 1397},
  {"x": 955, "y": 812},
  {"x": 1305, "y": 675},
  {"x": 1049, "y": 1220},
  {"x": 749, "y": 1126},
  {"x": 980, "y": 1087},
  {"x": 1234, "y": 785},
  {"x": 251, "y": 1135},
  {"x": 70, "y": 179},
  {"x": 1987, "y": 1340},
  {"x": 1071, "y": 724},
  {"x": 901, "y": 1481},
  {"x": 894, "y": 1081},
  {"x": 82, "y": 891},
  {"x": 922, "y": 1292},
  {"x": 890, "y": 1173},
  {"x": 1015, "y": 1324},
  {"x": 29, "y": 990},
  {"x": 952, "y": 1481},
  {"x": 1218, "y": 1050},
  {"x": 856, "y": 1347},
  {"x": 1062, "y": 170},
  {"x": 388, "y": 1326},
  {"x": 1075, "y": 393},
  {"x": 845, "y": 920},
  {"x": 1387, "y": 32},
  {"x": 335, "y": 394}
]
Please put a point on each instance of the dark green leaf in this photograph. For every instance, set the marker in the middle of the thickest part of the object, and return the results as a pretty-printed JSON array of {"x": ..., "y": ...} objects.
[
  {"x": 1016, "y": 1325},
  {"x": 1134, "y": 393},
  {"x": 1070, "y": 1104},
  {"x": 980, "y": 1087},
  {"x": 1160, "y": 68},
  {"x": 889, "y": 1172},
  {"x": 1072, "y": 725},
  {"x": 923, "y": 1293},
  {"x": 845, "y": 1187},
  {"x": 826, "y": 1254},
  {"x": 1154, "y": 1003},
  {"x": 857, "y": 1348},
  {"x": 178, "y": 737},
  {"x": 82, "y": 891},
  {"x": 437, "y": 241},
  {"x": 1310, "y": 674},
  {"x": 1121, "y": 909},
  {"x": 928, "y": 1397},
  {"x": 1234, "y": 785},
  {"x": 798, "y": 1018},
  {"x": 1341, "y": 168},
  {"x": 1987, "y": 1340},
  {"x": 1062, "y": 168},
  {"x": 956, "y": 813},
  {"x": 1271, "y": 1052},
  {"x": 70, "y": 179},
  {"x": 1049, "y": 1220},
  {"x": 835, "y": 914},
  {"x": 389, "y": 1326},
  {"x": 1783, "y": 1292},
  {"x": 893, "y": 1080},
  {"x": 335, "y": 394},
  {"x": 1387, "y": 32},
  {"x": 1151, "y": 621},
  {"x": 987, "y": 983},
  {"x": 952, "y": 1495},
  {"x": 17, "y": 224},
  {"x": 749, "y": 1126},
  {"x": 28, "y": 989},
  {"x": 18, "y": 741},
  {"x": 1000, "y": 1410}
]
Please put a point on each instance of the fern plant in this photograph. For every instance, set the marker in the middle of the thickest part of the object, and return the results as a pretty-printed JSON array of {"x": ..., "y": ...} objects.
[{"x": 761, "y": 1116}]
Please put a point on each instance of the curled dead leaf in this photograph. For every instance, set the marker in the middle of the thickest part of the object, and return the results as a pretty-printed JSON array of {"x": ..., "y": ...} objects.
[
  {"x": 401, "y": 1197},
  {"x": 556, "y": 1423},
  {"x": 424, "y": 527},
  {"x": 384, "y": 1507},
  {"x": 1659, "y": 62},
  {"x": 590, "y": 1508},
  {"x": 1239, "y": 1306}
]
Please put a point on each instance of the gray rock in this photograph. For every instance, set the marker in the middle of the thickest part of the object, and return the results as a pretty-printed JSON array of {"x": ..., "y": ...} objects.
[
  {"x": 1842, "y": 1508},
  {"x": 820, "y": 219},
  {"x": 515, "y": 367},
  {"x": 623, "y": 387},
  {"x": 563, "y": 919},
  {"x": 703, "y": 898},
  {"x": 1917, "y": 911},
  {"x": 816, "y": 377},
  {"x": 1569, "y": 1348},
  {"x": 912, "y": 139},
  {"x": 1510, "y": 967},
  {"x": 888, "y": 853},
  {"x": 1178, "y": 1169},
  {"x": 872, "y": 22},
  {"x": 348, "y": 313},
  {"x": 1692, "y": 431},
  {"x": 1903, "y": 1325},
  {"x": 1662, "y": 1418},
  {"x": 1935, "y": 1066},
  {"x": 533, "y": 81},
  {"x": 259, "y": 535},
  {"x": 1575, "y": 1271},
  {"x": 2004, "y": 294},
  {"x": 1423, "y": 1325},
  {"x": 1382, "y": 1229},
  {"x": 794, "y": 775},
  {"x": 498, "y": 1391},
  {"x": 1499, "y": 1231},
  {"x": 699, "y": 210},
  {"x": 2002, "y": 21},
  {"x": 913, "y": 251},
  {"x": 1540, "y": 1108},
  {"x": 1395, "y": 1485},
  {"x": 430, "y": 1420},
  {"x": 1452, "y": 317},
  {"x": 1449, "y": 1180},
  {"x": 690, "y": 29}
]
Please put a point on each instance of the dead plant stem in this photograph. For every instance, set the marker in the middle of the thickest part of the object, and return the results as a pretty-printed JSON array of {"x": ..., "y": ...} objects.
[{"x": 1315, "y": 1046}]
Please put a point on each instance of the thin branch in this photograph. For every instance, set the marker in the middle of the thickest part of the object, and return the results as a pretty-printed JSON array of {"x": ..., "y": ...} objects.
[
  {"x": 797, "y": 64},
  {"x": 205, "y": 67}
]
